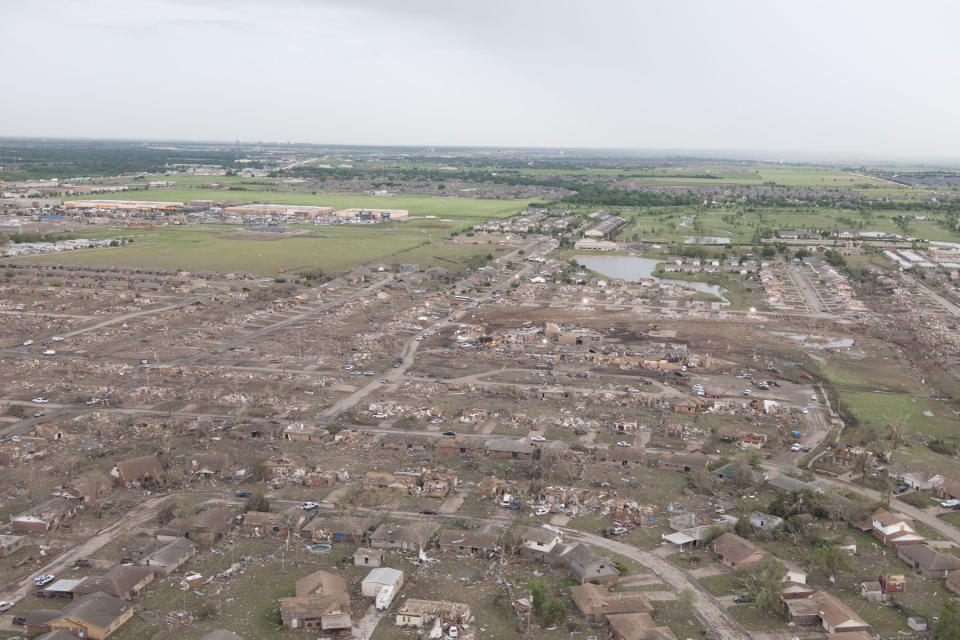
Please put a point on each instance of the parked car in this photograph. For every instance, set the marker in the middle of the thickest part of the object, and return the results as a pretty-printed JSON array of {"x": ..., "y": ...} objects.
[
  {"x": 242, "y": 494},
  {"x": 5, "y": 605},
  {"x": 40, "y": 401},
  {"x": 43, "y": 580},
  {"x": 449, "y": 433},
  {"x": 795, "y": 447},
  {"x": 742, "y": 598},
  {"x": 429, "y": 512},
  {"x": 538, "y": 439},
  {"x": 900, "y": 488},
  {"x": 49, "y": 352},
  {"x": 309, "y": 506},
  {"x": 379, "y": 416},
  {"x": 805, "y": 410},
  {"x": 623, "y": 443},
  {"x": 813, "y": 396},
  {"x": 541, "y": 511},
  {"x": 27, "y": 343}
]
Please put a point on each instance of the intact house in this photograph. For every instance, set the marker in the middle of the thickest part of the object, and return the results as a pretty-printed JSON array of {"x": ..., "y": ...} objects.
[
  {"x": 137, "y": 471},
  {"x": 367, "y": 557},
  {"x": 683, "y": 462},
  {"x": 596, "y": 602},
  {"x": 93, "y": 616},
  {"x": 892, "y": 530},
  {"x": 10, "y": 544},
  {"x": 510, "y": 448},
  {"x": 586, "y": 565},
  {"x": 629, "y": 457},
  {"x": 382, "y": 584},
  {"x": 539, "y": 540},
  {"x": 928, "y": 561},
  {"x": 352, "y": 530},
  {"x": 825, "y": 611},
  {"x": 949, "y": 490},
  {"x": 44, "y": 516},
  {"x": 421, "y": 613},
  {"x": 170, "y": 557},
  {"x": 482, "y": 541},
  {"x": 735, "y": 552},
  {"x": 121, "y": 582},
  {"x": 409, "y": 536},
  {"x": 321, "y": 602},
  {"x": 461, "y": 446}
]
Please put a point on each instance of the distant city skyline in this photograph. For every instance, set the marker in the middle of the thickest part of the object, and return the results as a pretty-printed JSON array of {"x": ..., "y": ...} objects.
[{"x": 818, "y": 80}]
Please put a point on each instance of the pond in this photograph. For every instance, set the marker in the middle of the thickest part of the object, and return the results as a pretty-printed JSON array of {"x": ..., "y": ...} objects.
[{"x": 634, "y": 269}]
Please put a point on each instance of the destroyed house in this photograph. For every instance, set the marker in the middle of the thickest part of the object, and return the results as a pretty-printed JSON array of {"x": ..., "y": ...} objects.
[
  {"x": 264, "y": 524},
  {"x": 210, "y": 465},
  {"x": 637, "y": 626},
  {"x": 683, "y": 462},
  {"x": 386, "y": 480},
  {"x": 420, "y": 613},
  {"x": 137, "y": 471},
  {"x": 44, "y": 516},
  {"x": 10, "y": 544},
  {"x": 411, "y": 442},
  {"x": 351, "y": 530}
]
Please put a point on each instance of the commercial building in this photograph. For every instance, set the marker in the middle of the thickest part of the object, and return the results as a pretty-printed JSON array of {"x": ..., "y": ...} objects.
[
  {"x": 122, "y": 205},
  {"x": 302, "y": 211},
  {"x": 375, "y": 215}
]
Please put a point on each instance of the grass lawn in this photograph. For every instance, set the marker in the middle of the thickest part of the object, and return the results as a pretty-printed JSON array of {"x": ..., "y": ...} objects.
[
  {"x": 417, "y": 205},
  {"x": 725, "y": 584},
  {"x": 339, "y": 249},
  {"x": 952, "y": 517},
  {"x": 877, "y": 409}
]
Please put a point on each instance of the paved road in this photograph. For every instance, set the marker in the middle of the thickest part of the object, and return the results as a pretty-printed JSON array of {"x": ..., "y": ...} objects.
[
  {"x": 948, "y": 306},
  {"x": 18, "y": 428}
]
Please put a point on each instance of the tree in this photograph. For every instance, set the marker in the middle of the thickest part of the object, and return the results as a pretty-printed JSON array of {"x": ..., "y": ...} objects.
[
  {"x": 832, "y": 559},
  {"x": 260, "y": 473},
  {"x": 553, "y": 612},
  {"x": 687, "y": 598},
  {"x": 948, "y": 628},
  {"x": 257, "y": 502},
  {"x": 762, "y": 581},
  {"x": 538, "y": 594}
]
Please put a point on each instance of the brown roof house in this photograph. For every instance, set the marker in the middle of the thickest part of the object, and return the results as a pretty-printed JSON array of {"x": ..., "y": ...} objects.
[
  {"x": 121, "y": 582},
  {"x": 736, "y": 552},
  {"x": 825, "y": 611},
  {"x": 511, "y": 448},
  {"x": 170, "y": 557},
  {"x": 94, "y": 616},
  {"x": 637, "y": 626},
  {"x": 585, "y": 565},
  {"x": 137, "y": 471},
  {"x": 928, "y": 561},
  {"x": 409, "y": 536},
  {"x": 482, "y": 541},
  {"x": 321, "y": 602},
  {"x": 683, "y": 462},
  {"x": 596, "y": 602},
  {"x": 88, "y": 488},
  {"x": 630, "y": 457},
  {"x": 211, "y": 525},
  {"x": 894, "y": 531},
  {"x": 210, "y": 465},
  {"x": 10, "y": 544},
  {"x": 263, "y": 524}
]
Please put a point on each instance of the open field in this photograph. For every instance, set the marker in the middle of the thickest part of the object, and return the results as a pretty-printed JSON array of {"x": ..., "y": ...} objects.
[
  {"x": 417, "y": 205},
  {"x": 339, "y": 249}
]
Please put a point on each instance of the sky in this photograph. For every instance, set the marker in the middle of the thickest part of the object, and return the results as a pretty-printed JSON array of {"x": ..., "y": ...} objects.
[{"x": 870, "y": 78}]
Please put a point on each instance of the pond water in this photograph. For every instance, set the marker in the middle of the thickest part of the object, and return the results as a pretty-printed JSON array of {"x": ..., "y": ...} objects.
[
  {"x": 706, "y": 240},
  {"x": 634, "y": 269}
]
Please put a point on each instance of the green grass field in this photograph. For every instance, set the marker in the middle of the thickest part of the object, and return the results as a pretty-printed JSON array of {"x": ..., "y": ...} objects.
[
  {"x": 196, "y": 248},
  {"x": 878, "y": 409},
  {"x": 417, "y": 205}
]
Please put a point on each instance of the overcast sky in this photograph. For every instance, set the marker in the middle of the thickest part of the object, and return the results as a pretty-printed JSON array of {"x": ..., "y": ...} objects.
[{"x": 872, "y": 78}]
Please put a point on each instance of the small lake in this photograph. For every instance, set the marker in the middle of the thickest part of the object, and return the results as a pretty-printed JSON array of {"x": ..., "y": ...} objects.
[
  {"x": 706, "y": 240},
  {"x": 634, "y": 269}
]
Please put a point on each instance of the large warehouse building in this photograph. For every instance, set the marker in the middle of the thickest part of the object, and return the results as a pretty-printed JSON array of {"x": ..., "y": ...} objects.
[
  {"x": 373, "y": 214},
  {"x": 123, "y": 205},
  {"x": 305, "y": 211}
]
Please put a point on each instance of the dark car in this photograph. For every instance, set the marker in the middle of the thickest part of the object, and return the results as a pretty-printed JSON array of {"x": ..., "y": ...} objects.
[
  {"x": 242, "y": 494},
  {"x": 20, "y": 620},
  {"x": 449, "y": 433},
  {"x": 900, "y": 488},
  {"x": 429, "y": 512}
]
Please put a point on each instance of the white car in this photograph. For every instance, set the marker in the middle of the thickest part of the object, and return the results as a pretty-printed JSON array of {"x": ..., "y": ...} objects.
[
  {"x": 379, "y": 416},
  {"x": 541, "y": 511},
  {"x": 453, "y": 633},
  {"x": 348, "y": 367},
  {"x": 624, "y": 444},
  {"x": 633, "y": 390},
  {"x": 43, "y": 580},
  {"x": 5, "y": 605},
  {"x": 805, "y": 410},
  {"x": 309, "y": 506},
  {"x": 57, "y": 338},
  {"x": 40, "y": 401},
  {"x": 813, "y": 396},
  {"x": 796, "y": 447},
  {"x": 27, "y": 343},
  {"x": 49, "y": 352},
  {"x": 538, "y": 439}
]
